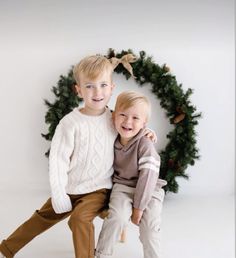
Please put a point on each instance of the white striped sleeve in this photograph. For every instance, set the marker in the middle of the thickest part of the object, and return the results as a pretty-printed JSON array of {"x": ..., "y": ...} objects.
[
  {"x": 149, "y": 162},
  {"x": 148, "y": 165}
]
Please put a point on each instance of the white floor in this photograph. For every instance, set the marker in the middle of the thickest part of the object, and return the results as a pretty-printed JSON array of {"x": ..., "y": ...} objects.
[{"x": 192, "y": 227}]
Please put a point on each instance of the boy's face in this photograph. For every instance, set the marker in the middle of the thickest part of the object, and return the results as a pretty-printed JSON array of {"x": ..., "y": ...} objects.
[
  {"x": 130, "y": 121},
  {"x": 96, "y": 92}
]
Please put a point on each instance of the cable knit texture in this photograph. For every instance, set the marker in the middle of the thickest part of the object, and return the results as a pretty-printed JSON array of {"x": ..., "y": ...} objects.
[{"x": 81, "y": 157}]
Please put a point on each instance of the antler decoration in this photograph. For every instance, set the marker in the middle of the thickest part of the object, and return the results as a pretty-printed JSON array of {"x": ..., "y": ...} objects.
[{"x": 125, "y": 61}]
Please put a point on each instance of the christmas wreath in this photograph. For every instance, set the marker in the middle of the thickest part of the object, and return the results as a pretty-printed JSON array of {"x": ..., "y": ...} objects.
[{"x": 181, "y": 149}]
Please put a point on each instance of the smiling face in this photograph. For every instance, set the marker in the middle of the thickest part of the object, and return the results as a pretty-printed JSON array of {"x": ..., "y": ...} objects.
[
  {"x": 129, "y": 121},
  {"x": 95, "y": 92}
]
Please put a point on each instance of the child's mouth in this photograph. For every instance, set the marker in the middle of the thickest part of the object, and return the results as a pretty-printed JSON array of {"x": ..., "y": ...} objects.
[
  {"x": 98, "y": 100},
  {"x": 126, "y": 128}
]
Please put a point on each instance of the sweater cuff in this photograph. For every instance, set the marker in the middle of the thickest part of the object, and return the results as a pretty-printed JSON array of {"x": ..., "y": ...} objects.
[
  {"x": 62, "y": 204},
  {"x": 138, "y": 206}
]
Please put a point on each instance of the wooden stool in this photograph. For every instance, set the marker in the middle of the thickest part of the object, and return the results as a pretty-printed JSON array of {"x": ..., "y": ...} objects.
[{"x": 103, "y": 215}]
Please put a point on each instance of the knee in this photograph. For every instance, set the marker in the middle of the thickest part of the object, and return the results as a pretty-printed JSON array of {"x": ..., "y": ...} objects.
[
  {"x": 118, "y": 218},
  {"x": 78, "y": 218}
]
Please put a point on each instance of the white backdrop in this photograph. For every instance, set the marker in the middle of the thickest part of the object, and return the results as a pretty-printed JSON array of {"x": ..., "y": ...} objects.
[{"x": 41, "y": 39}]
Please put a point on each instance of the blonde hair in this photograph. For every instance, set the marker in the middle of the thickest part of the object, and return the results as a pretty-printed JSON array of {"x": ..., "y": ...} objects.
[
  {"x": 91, "y": 67},
  {"x": 128, "y": 99}
]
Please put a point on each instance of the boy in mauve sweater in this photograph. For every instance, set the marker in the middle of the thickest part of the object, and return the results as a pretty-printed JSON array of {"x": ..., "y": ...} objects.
[{"x": 137, "y": 192}]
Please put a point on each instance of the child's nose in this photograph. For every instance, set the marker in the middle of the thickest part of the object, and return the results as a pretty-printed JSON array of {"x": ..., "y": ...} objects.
[
  {"x": 97, "y": 90},
  {"x": 128, "y": 120}
]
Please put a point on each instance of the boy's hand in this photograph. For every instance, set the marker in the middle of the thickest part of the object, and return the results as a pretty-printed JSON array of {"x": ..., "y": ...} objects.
[
  {"x": 136, "y": 216},
  {"x": 150, "y": 134}
]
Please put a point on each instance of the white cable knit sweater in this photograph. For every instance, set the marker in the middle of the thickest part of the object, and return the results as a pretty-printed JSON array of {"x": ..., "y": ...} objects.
[{"x": 81, "y": 157}]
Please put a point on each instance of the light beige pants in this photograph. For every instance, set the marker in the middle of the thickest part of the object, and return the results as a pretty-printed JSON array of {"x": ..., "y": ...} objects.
[{"x": 120, "y": 210}]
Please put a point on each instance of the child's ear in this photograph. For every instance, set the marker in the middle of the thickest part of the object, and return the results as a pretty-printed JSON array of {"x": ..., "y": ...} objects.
[
  {"x": 78, "y": 90},
  {"x": 112, "y": 86}
]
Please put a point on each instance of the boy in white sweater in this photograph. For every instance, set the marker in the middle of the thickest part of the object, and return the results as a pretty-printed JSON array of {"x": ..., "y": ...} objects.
[
  {"x": 80, "y": 164},
  {"x": 137, "y": 193}
]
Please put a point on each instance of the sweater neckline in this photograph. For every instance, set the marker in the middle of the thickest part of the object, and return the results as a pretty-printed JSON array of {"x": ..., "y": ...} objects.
[
  {"x": 119, "y": 146},
  {"x": 77, "y": 111}
]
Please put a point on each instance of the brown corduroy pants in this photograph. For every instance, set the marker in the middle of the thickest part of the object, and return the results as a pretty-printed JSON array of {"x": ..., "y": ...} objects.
[{"x": 85, "y": 208}]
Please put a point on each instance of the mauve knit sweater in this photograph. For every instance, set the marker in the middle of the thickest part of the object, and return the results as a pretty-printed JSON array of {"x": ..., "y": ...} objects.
[{"x": 137, "y": 165}]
